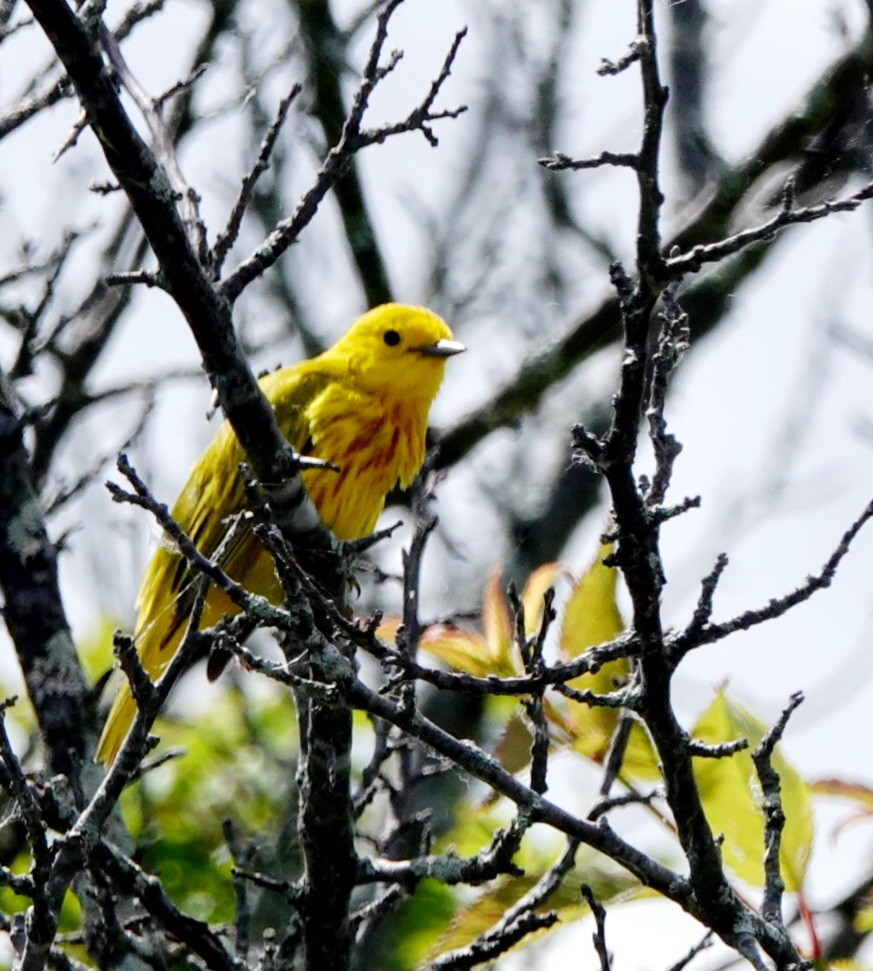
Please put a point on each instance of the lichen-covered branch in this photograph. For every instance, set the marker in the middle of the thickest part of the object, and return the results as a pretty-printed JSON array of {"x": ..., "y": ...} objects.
[{"x": 33, "y": 611}]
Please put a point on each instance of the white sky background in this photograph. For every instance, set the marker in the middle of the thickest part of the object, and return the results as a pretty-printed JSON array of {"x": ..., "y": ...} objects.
[{"x": 779, "y": 487}]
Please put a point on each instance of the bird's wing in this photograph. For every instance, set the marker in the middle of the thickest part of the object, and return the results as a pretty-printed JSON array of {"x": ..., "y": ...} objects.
[
  {"x": 209, "y": 504},
  {"x": 206, "y": 510}
]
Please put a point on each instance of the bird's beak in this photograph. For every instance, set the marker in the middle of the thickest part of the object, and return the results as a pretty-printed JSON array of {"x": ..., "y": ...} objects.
[{"x": 442, "y": 348}]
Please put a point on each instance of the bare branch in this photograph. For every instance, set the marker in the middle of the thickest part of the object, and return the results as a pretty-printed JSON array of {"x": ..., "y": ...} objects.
[
  {"x": 610, "y": 68},
  {"x": 693, "y": 260},
  {"x": 352, "y": 140},
  {"x": 162, "y": 140},
  {"x": 254, "y": 605},
  {"x": 559, "y": 162},
  {"x": 599, "y": 935},
  {"x": 701, "y": 945},
  {"x": 702, "y": 632},
  {"x": 516, "y": 923},
  {"x": 673, "y": 343},
  {"x": 225, "y": 239},
  {"x": 774, "y": 815}
]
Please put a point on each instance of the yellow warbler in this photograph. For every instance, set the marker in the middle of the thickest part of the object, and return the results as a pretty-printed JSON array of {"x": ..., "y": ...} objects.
[{"x": 361, "y": 405}]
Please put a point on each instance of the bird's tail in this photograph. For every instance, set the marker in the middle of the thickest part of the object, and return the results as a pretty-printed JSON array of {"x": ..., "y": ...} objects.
[
  {"x": 156, "y": 641},
  {"x": 118, "y": 722}
]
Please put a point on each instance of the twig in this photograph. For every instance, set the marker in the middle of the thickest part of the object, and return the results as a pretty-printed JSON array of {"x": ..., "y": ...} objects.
[
  {"x": 615, "y": 699},
  {"x": 673, "y": 342},
  {"x": 486, "y": 948},
  {"x": 126, "y": 279},
  {"x": 352, "y": 140},
  {"x": 25, "y": 108},
  {"x": 616, "y": 802},
  {"x": 28, "y": 806},
  {"x": 722, "y": 751},
  {"x": 252, "y": 604},
  {"x": 411, "y": 634},
  {"x": 615, "y": 754},
  {"x": 135, "y": 882},
  {"x": 701, "y": 945},
  {"x": 516, "y": 923},
  {"x": 380, "y": 906},
  {"x": 134, "y": 15},
  {"x": 559, "y": 162},
  {"x": 79, "y": 125},
  {"x": 141, "y": 686},
  {"x": 162, "y": 143},
  {"x": 67, "y": 491},
  {"x": 242, "y": 924},
  {"x": 692, "y": 261},
  {"x": 180, "y": 86},
  {"x": 611, "y": 68},
  {"x": 539, "y": 752},
  {"x": 227, "y": 237},
  {"x": 599, "y": 935},
  {"x": 371, "y": 775},
  {"x": 626, "y": 645},
  {"x": 703, "y": 610},
  {"x": 774, "y": 815},
  {"x": 703, "y": 632}
]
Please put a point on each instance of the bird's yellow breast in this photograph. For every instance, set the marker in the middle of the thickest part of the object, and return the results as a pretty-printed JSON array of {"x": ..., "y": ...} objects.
[{"x": 374, "y": 443}]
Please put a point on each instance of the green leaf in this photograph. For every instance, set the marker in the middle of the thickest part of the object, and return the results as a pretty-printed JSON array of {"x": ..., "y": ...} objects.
[
  {"x": 418, "y": 925},
  {"x": 229, "y": 770}
]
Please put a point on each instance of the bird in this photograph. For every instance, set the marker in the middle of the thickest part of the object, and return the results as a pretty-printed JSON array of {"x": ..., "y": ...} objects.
[{"x": 362, "y": 406}]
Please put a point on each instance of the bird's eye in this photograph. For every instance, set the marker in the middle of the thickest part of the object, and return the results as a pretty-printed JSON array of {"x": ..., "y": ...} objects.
[{"x": 391, "y": 338}]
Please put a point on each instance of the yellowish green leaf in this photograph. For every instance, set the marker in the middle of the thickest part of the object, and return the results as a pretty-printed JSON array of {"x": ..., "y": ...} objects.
[
  {"x": 491, "y": 652},
  {"x": 640, "y": 759},
  {"x": 468, "y": 651},
  {"x": 730, "y": 792},
  {"x": 591, "y": 615},
  {"x": 496, "y": 625},
  {"x": 863, "y": 922},
  {"x": 542, "y": 578}
]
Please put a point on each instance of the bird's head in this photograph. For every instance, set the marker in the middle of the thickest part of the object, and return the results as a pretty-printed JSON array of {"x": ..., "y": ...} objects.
[{"x": 397, "y": 350}]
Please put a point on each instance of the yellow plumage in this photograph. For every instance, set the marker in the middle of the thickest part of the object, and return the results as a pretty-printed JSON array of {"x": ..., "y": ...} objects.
[{"x": 361, "y": 405}]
